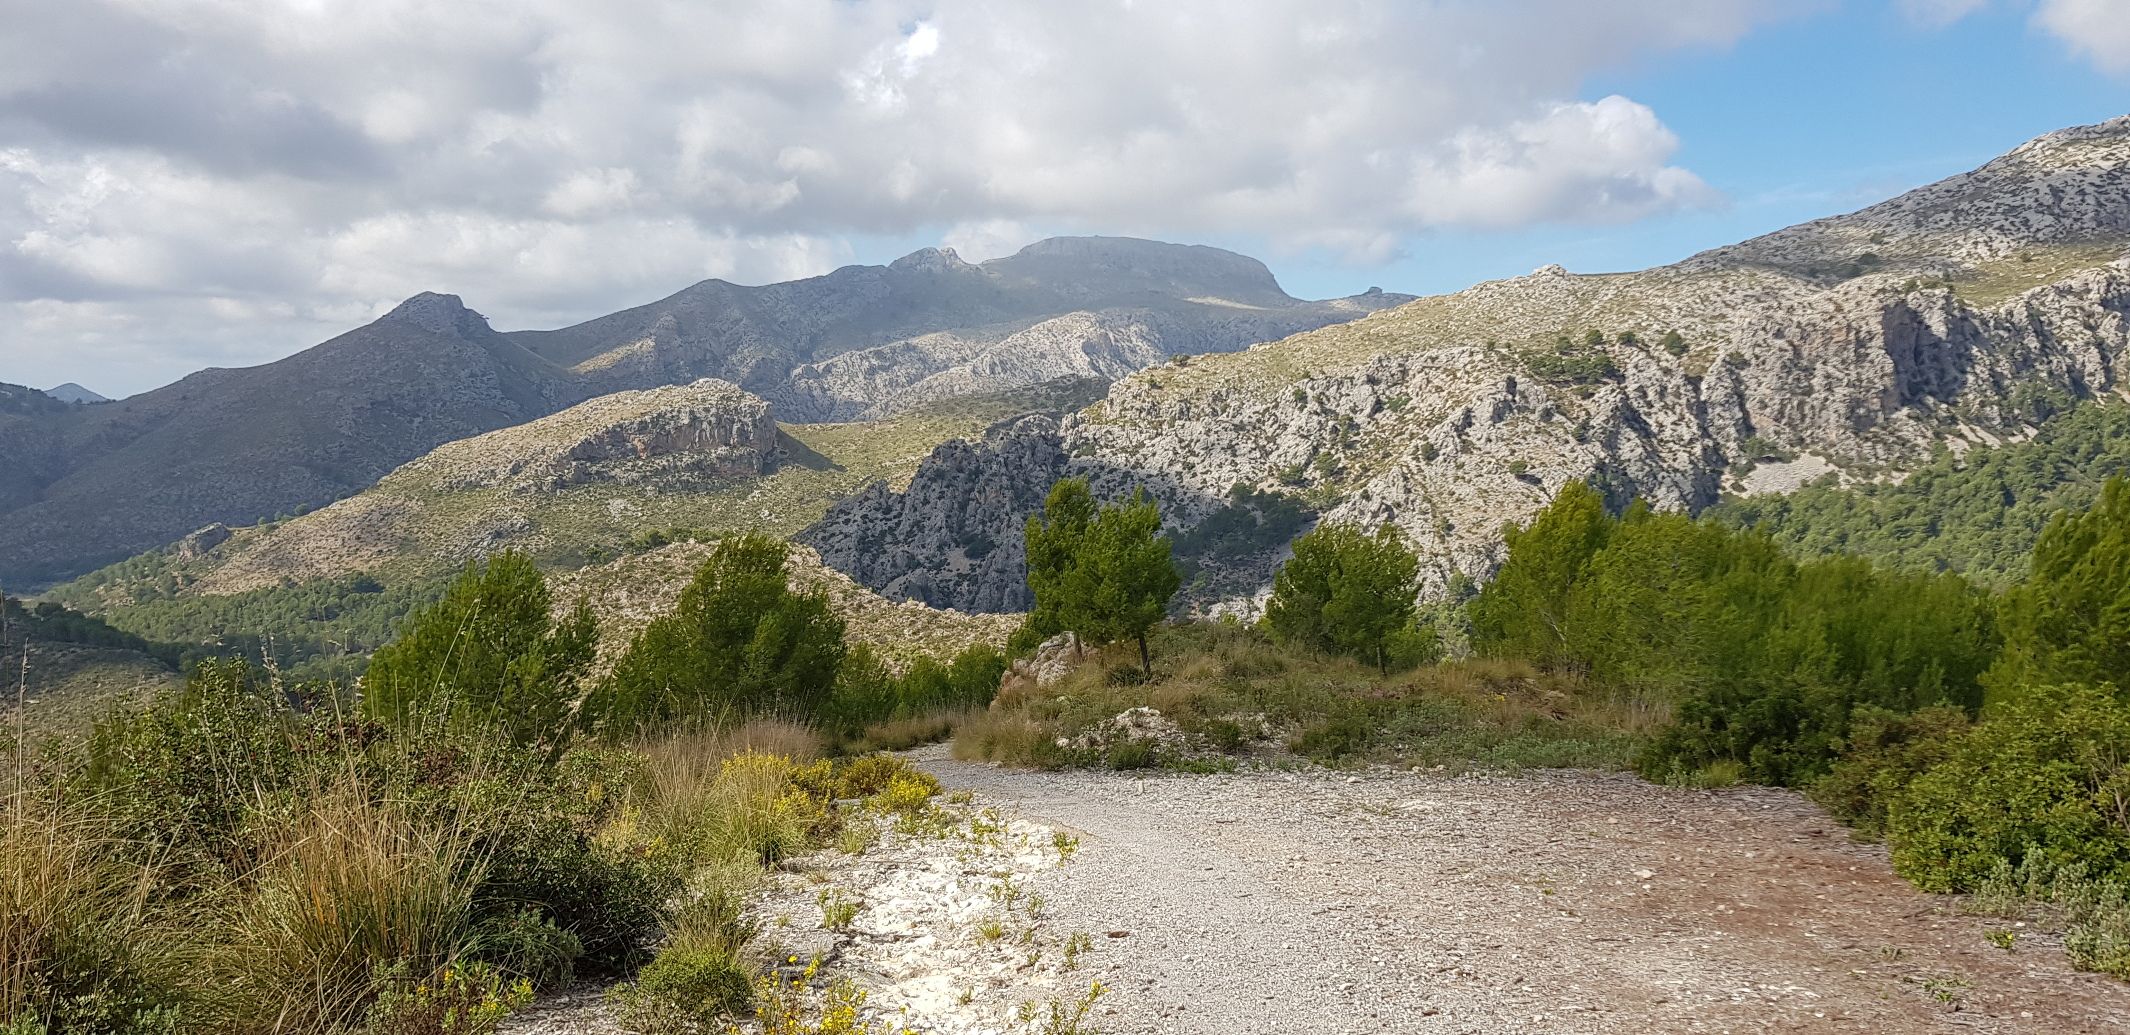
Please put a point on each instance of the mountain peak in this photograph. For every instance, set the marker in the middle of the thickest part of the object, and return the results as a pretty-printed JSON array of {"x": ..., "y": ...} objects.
[
  {"x": 438, "y": 314},
  {"x": 930, "y": 260},
  {"x": 74, "y": 393}
]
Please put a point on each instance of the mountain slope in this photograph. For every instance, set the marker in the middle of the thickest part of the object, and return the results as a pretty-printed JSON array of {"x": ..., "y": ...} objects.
[
  {"x": 82, "y": 486},
  {"x": 235, "y": 445},
  {"x": 74, "y": 393},
  {"x": 1852, "y": 345}
]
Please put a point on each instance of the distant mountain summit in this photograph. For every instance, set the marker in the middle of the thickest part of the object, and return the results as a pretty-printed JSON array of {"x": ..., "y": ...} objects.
[
  {"x": 74, "y": 393},
  {"x": 85, "y": 485}
]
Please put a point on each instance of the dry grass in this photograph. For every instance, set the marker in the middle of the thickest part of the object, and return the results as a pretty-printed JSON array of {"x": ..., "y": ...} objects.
[
  {"x": 72, "y": 915},
  {"x": 904, "y": 734},
  {"x": 1232, "y": 691},
  {"x": 355, "y": 887}
]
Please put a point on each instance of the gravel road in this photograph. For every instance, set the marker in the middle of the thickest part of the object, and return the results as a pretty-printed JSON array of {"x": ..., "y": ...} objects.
[{"x": 1317, "y": 902}]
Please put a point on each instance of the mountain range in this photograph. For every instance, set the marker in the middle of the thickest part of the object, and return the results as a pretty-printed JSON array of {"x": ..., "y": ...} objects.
[
  {"x": 1852, "y": 349},
  {"x": 90, "y": 485}
]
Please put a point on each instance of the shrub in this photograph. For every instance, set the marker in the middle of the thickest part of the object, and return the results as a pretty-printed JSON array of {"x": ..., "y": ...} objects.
[
  {"x": 1884, "y": 752},
  {"x": 2038, "y": 784},
  {"x": 489, "y": 649},
  {"x": 354, "y": 891},
  {"x": 907, "y": 793},
  {"x": 78, "y": 951},
  {"x": 459, "y": 1000},
  {"x": 2070, "y": 621},
  {"x": 698, "y": 977}
]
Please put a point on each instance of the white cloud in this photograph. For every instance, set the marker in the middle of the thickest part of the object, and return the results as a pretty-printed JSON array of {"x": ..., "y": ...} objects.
[
  {"x": 987, "y": 239},
  {"x": 1939, "y": 12},
  {"x": 553, "y": 159},
  {"x": 2097, "y": 30}
]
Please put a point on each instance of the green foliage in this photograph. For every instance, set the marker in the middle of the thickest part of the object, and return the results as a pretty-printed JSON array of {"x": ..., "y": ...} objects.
[
  {"x": 1522, "y": 612},
  {"x": 1979, "y": 513},
  {"x": 1572, "y": 364},
  {"x": 1673, "y": 342},
  {"x": 1055, "y": 541},
  {"x": 52, "y": 622},
  {"x": 2070, "y": 621},
  {"x": 324, "y": 628},
  {"x": 1765, "y": 657},
  {"x": 1884, "y": 752},
  {"x": 490, "y": 651},
  {"x": 1344, "y": 592},
  {"x": 1104, "y": 573},
  {"x": 2040, "y": 784},
  {"x": 737, "y": 642},
  {"x": 867, "y": 692}
]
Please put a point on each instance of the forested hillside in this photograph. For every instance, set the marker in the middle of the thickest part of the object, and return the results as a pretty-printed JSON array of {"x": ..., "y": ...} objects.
[{"x": 1977, "y": 513}]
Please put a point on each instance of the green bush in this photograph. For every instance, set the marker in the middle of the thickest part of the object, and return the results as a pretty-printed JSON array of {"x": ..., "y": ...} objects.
[
  {"x": 489, "y": 653},
  {"x": 2069, "y": 622},
  {"x": 1884, "y": 752},
  {"x": 1346, "y": 592},
  {"x": 2038, "y": 784}
]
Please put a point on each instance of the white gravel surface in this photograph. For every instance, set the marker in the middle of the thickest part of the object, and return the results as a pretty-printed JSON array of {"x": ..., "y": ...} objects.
[
  {"x": 1563, "y": 902},
  {"x": 1314, "y": 903}
]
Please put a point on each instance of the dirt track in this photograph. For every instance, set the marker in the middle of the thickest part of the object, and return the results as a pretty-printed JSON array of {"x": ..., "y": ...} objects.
[{"x": 1560, "y": 902}]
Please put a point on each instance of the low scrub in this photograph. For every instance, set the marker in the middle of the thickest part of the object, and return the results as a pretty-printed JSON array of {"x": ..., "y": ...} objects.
[{"x": 1234, "y": 691}]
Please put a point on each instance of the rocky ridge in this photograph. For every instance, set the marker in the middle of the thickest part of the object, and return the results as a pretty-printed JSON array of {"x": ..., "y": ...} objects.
[
  {"x": 953, "y": 537},
  {"x": 1958, "y": 313}
]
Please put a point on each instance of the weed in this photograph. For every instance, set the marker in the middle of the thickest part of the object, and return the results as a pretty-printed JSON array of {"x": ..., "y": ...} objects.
[
  {"x": 1066, "y": 845},
  {"x": 1060, "y": 1017},
  {"x": 837, "y": 912}
]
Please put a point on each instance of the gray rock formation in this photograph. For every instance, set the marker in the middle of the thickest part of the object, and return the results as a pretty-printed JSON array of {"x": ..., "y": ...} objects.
[
  {"x": 1956, "y": 314},
  {"x": 952, "y": 539}
]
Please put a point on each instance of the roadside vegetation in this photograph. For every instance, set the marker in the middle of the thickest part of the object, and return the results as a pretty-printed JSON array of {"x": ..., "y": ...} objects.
[
  {"x": 1981, "y": 733},
  {"x": 489, "y": 813},
  {"x": 259, "y": 854}
]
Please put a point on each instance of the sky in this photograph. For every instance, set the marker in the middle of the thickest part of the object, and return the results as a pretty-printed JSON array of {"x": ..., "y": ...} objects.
[{"x": 194, "y": 183}]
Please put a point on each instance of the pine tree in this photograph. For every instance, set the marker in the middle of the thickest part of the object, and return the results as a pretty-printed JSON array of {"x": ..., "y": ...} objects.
[
  {"x": 490, "y": 651},
  {"x": 1106, "y": 573},
  {"x": 738, "y": 640},
  {"x": 2069, "y": 622},
  {"x": 1345, "y": 592},
  {"x": 1523, "y": 612}
]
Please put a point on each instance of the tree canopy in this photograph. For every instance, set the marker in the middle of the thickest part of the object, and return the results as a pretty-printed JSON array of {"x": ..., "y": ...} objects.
[
  {"x": 738, "y": 641},
  {"x": 1104, "y": 572},
  {"x": 1347, "y": 592},
  {"x": 490, "y": 648}
]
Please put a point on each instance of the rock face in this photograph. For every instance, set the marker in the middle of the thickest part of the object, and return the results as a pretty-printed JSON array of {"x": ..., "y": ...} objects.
[
  {"x": 952, "y": 539},
  {"x": 665, "y": 436},
  {"x": 1957, "y": 313}
]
